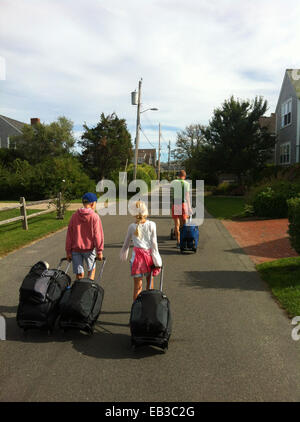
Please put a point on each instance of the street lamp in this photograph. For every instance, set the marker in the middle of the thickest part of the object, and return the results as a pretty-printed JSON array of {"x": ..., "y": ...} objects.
[
  {"x": 153, "y": 109},
  {"x": 136, "y": 100}
]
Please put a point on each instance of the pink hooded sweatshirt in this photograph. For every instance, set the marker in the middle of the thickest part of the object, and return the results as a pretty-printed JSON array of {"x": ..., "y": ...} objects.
[{"x": 85, "y": 232}]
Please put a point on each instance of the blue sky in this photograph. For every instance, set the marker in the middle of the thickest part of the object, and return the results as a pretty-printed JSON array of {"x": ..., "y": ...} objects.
[{"x": 79, "y": 58}]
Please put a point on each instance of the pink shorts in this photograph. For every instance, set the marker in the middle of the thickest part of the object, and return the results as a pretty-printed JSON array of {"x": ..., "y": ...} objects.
[
  {"x": 142, "y": 264},
  {"x": 180, "y": 210}
]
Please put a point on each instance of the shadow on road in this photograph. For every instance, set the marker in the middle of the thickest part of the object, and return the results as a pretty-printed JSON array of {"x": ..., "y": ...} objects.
[
  {"x": 104, "y": 345},
  {"x": 237, "y": 280},
  {"x": 276, "y": 249}
]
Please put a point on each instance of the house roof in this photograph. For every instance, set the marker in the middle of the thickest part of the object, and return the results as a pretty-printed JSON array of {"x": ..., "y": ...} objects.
[
  {"x": 294, "y": 75},
  {"x": 268, "y": 122},
  {"x": 147, "y": 150},
  {"x": 14, "y": 123}
]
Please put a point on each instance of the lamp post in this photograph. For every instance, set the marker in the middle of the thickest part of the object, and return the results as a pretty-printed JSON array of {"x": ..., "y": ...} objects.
[{"x": 136, "y": 100}]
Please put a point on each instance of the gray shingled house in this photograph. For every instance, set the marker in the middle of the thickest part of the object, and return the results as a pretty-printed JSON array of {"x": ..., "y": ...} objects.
[
  {"x": 8, "y": 128},
  {"x": 288, "y": 120}
]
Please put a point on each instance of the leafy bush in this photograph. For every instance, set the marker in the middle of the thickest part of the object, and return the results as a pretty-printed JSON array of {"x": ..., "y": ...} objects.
[
  {"x": 140, "y": 174},
  {"x": 150, "y": 170},
  {"x": 270, "y": 200},
  {"x": 226, "y": 188},
  {"x": 222, "y": 189},
  {"x": 209, "y": 188},
  {"x": 44, "y": 180},
  {"x": 294, "y": 222}
]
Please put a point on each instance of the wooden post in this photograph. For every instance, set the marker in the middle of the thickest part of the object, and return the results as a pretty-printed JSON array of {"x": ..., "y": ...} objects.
[
  {"x": 158, "y": 170},
  {"x": 23, "y": 213},
  {"x": 59, "y": 211}
]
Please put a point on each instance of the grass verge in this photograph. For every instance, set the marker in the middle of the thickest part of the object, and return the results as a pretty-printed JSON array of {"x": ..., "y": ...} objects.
[
  {"x": 224, "y": 208},
  {"x": 283, "y": 278},
  {"x": 12, "y": 235}
]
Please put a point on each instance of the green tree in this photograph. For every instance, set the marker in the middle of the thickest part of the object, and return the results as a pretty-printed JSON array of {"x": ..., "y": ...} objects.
[
  {"x": 105, "y": 147},
  {"x": 189, "y": 142},
  {"x": 43, "y": 141},
  {"x": 236, "y": 143},
  {"x": 190, "y": 146}
]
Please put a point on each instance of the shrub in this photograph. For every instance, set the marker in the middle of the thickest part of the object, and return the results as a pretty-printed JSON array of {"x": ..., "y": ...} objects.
[
  {"x": 294, "y": 222},
  {"x": 44, "y": 180},
  {"x": 150, "y": 170},
  {"x": 140, "y": 174},
  {"x": 226, "y": 188},
  {"x": 222, "y": 188},
  {"x": 270, "y": 200}
]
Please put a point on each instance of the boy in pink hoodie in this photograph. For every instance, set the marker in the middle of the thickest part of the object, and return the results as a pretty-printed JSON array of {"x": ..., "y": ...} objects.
[{"x": 85, "y": 239}]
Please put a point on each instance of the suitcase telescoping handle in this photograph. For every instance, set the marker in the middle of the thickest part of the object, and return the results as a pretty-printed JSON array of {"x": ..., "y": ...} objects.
[
  {"x": 161, "y": 277},
  {"x": 101, "y": 269},
  {"x": 60, "y": 264}
]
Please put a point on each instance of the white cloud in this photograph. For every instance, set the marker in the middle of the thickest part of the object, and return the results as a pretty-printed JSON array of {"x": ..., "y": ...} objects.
[{"x": 80, "y": 58}]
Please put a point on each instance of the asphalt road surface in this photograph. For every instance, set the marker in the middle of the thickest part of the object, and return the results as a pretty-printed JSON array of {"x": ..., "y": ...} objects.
[{"x": 230, "y": 339}]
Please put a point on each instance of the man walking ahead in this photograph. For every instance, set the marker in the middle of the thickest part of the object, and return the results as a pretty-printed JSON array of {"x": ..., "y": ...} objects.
[
  {"x": 85, "y": 239},
  {"x": 181, "y": 208}
]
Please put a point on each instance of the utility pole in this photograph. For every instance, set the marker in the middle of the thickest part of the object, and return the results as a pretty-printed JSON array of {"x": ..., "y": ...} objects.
[
  {"x": 158, "y": 170},
  {"x": 137, "y": 136},
  {"x": 169, "y": 154}
]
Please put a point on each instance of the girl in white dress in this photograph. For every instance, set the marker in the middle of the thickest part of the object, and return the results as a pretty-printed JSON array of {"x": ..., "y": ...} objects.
[{"x": 145, "y": 256}]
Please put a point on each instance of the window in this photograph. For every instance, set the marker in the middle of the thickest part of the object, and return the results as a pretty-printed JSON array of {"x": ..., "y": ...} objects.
[
  {"x": 285, "y": 153},
  {"x": 286, "y": 113}
]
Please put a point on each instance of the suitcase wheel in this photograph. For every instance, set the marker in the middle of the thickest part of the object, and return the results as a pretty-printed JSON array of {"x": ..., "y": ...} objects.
[
  {"x": 90, "y": 331},
  {"x": 172, "y": 235},
  {"x": 165, "y": 347}
]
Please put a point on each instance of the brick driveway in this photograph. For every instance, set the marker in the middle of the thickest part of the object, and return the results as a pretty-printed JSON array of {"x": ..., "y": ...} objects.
[{"x": 262, "y": 240}]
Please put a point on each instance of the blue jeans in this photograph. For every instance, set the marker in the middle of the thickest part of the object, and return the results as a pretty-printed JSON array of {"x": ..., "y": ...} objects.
[{"x": 78, "y": 259}]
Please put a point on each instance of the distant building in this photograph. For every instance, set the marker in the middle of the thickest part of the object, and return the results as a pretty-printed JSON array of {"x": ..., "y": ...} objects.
[
  {"x": 270, "y": 124},
  {"x": 147, "y": 156},
  {"x": 9, "y": 128},
  {"x": 288, "y": 120}
]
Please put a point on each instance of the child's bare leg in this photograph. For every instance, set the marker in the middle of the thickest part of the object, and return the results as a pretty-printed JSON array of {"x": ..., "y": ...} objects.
[
  {"x": 177, "y": 229},
  {"x": 91, "y": 274},
  {"x": 148, "y": 283},
  {"x": 138, "y": 286},
  {"x": 79, "y": 276}
]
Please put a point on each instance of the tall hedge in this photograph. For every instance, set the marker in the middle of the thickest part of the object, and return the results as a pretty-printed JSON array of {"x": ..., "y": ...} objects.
[
  {"x": 45, "y": 179},
  {"x": 294, "y": 222},
  {"x": 270, "y": 199}
]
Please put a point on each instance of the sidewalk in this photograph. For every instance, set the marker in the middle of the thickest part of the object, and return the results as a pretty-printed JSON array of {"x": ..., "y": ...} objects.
[
  {"x": 72, "y": 207},
  {"x": 262, "y": 240}
]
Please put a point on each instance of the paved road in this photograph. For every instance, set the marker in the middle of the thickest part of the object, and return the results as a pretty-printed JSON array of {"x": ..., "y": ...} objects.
[{"x": 230, "y": 342}]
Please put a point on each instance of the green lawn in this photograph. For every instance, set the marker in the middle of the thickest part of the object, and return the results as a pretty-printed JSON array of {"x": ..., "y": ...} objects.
[
  {"x": 283, "y": 277},
  {"x": 224, "y": 208},
  {"x": 12, "y": 235},
  {"x": 5, "y": 215}
]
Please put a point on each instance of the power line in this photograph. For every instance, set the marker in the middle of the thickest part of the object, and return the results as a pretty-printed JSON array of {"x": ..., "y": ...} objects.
[{"x": 147, "y": 137}]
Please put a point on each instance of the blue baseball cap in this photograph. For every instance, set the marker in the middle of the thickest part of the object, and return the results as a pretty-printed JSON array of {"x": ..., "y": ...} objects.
[{"x": 89, "y": 197}]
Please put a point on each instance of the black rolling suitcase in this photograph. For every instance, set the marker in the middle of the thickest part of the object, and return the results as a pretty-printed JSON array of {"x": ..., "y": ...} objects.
[
  {"x": 40, "y": 293},
  {"x": 81, "y": 305},
  {"x": 150, "y": 318}
]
